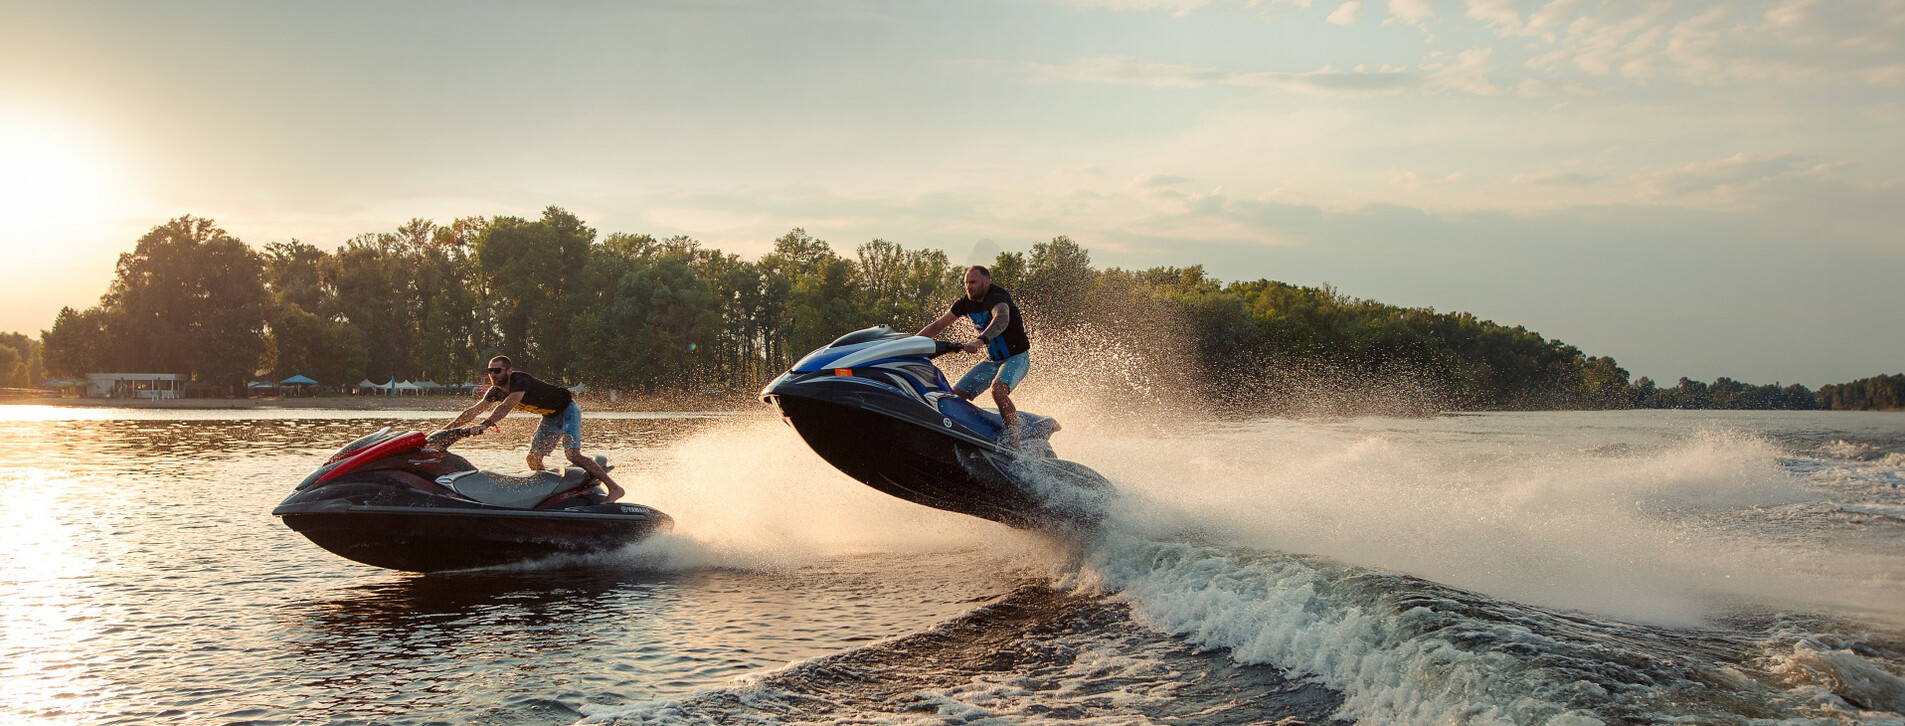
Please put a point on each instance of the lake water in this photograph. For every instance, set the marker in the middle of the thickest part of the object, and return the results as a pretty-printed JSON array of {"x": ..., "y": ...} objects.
[{"x": 1568, "y": 568}]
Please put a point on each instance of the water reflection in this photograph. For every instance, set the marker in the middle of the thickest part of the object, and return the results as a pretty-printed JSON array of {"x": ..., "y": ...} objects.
[
  {"x": 173, "y": 448},
  {"x": 43, "y": 643},
  {"x": 443, "y": 642},
  {"x": 147, "y": 582},
  {"x": 547, "y": 595}
]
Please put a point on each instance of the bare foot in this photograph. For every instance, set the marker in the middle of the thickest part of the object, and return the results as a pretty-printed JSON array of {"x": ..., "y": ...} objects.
[{"x": 615, "y": 492}]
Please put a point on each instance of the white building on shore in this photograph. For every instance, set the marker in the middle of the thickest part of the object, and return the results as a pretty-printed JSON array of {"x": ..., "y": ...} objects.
[{"x": 136, "y": 385}]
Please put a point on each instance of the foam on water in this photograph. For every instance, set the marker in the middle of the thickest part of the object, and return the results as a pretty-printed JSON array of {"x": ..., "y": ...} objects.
[
  {"x": 1469, "y": 570},
  {"x": 1407, "y": 651},
  {"x": 1036, "y": 655},
  {"x": 1659, "y": 531},
  {"x": 1284, "y": 612},
  {"x": 748, "y": 493}
]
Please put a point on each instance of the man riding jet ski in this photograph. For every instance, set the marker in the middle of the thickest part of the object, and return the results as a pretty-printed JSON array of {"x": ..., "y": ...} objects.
[
  {"x": 873, "y": 405},
  {"x": 404, "y": 502}
]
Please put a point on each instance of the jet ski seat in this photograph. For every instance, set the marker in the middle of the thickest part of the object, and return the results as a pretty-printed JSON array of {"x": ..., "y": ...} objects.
[{"x": 523, "y": 491}]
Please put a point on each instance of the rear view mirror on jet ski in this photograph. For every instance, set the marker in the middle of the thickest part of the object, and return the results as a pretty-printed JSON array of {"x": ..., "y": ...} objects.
[
  {"x": 404, "y": 502},
  {"x": 875, "y": 407}
]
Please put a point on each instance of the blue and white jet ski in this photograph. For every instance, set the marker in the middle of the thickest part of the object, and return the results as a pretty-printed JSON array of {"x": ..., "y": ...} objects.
[{"x": 873, "y": 405}]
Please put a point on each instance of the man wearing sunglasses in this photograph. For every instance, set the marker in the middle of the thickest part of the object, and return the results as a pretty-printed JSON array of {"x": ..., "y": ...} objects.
[{"x": 561, "y": 420}]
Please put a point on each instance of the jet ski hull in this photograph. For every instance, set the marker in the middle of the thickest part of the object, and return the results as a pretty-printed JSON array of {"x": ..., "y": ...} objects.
[
  {"x": 909, "y": 452},
  {"x": 435, "y": 539},
  {"x": 387, "y": 501}
]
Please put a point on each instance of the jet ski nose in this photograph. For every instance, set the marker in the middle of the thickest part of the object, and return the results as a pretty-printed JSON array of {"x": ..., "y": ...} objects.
[{"x": 774, "y": 389}]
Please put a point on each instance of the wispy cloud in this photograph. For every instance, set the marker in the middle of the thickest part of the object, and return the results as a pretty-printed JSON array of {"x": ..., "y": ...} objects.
[
  {"x": 1497, "y": 13},
  {"x": 1712, "y": 43},
  {"x": 1411, "y": 12},
  {"x": 1556, "y": 179},
  {"x": 1157, "y": 180},
  {"x": 1468, "y": 71},
  {"x": 1175, "y": 7},
  {"x": 1119, "y": 70},
  {"x": 1735, "y": 179},
  {"x": 1349, "y": 13}
]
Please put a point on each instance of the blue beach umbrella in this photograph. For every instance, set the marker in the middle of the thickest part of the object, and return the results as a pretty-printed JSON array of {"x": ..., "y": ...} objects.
[{"x": 299, "y": 379}]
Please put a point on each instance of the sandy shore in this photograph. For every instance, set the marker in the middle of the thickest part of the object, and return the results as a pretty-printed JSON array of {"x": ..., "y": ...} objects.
[{"x": 386, "y": 403}]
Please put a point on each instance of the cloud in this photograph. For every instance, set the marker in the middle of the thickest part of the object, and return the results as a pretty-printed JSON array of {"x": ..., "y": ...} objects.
[
  {"x": 1117, "y": 70},
  {"x": 1555, "y": 179},
  {"x": 1411, "y": 12},
  {"x": 1148, "y": 180},
  {"x": 1467, "y": 72},
  {"x": 1175, "y": 7},
  {"x": 1708, "y": 43},
  {"x": 1504, "y": 14},
  {"x": 1722, "y": 43},
  {"x": 1730, "y": 180},
  {"x": 1349, "y": 13}
]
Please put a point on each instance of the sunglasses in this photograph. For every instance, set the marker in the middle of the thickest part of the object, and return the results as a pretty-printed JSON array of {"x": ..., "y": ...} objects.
[{"x": 496, "y": 370}]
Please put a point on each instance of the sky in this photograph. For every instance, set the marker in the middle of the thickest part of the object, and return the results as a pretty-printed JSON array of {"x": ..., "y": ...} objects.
[{"x": 1697, "y": 189}]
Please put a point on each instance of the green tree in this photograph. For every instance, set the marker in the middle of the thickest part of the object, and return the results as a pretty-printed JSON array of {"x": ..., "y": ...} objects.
[
  {"x": 796, "y": 255},
  {"x": 821, "y": 306},
  {"x": 82, "y": 342},
  {"x": 1058, "y": 278},
  {"x": 740, "y": 346},
  {"x": 533, "y": 271},
  {"x": 650, "y": 326},
  {"x": 27, "y": 368},
  {"x": 1007, "y": 269},
  {"x": 901, "y": 287},
  {"x": 294, "y": 273},
  {"x": 1878, "y": 393},
  {"x": 372, "y": 277},
  {"x": 13, "y": 373},
  {"x": 190, "y": 298}
]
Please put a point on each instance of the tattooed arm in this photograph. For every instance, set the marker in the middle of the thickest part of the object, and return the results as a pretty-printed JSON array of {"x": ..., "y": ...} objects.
[{"x": 1001, "y": 317}]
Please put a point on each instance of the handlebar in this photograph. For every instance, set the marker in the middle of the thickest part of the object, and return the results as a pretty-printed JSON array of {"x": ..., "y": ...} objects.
[
  {"x": 942, "y": 347},
  {"x": 441, "y": 440}
]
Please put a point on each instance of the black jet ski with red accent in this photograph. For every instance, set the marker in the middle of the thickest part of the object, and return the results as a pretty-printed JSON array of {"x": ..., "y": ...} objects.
[
  {"x": 403, "y": 501},
  {"x": 873, "y": 404}
]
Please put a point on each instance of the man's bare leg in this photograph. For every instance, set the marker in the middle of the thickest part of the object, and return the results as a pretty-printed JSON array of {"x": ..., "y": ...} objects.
[
  {"x": 588, "y": 464},
  {"x": 1001, "y": 395}
]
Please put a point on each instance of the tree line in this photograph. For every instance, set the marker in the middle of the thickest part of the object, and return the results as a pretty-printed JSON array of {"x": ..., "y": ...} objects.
[
  {"x": 1878, "y": 393},
  {"x": 21, "y": 364},
  {"x": 634, "y": 312}
]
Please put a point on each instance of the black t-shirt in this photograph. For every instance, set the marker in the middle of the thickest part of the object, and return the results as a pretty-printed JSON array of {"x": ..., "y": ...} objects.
[
  {"x": 1010, "y": 343},
  {"x": 538, "y": 397}
]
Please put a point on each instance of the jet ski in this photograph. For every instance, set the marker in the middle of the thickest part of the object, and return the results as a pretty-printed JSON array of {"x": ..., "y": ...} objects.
[
  {"x": 873, "y": 404},
  {"x": 402, "y": 501}
]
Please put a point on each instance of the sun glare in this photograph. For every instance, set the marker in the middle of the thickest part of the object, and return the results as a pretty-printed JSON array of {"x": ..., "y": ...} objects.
[{"x": 52, "y": 178}]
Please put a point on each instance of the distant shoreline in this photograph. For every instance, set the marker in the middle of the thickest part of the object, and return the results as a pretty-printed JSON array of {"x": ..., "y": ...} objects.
[{"x": 387, "y": 403}]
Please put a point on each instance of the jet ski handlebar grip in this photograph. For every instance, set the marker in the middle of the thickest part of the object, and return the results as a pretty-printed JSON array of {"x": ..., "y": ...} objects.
[{"x": 942, "y": 347}]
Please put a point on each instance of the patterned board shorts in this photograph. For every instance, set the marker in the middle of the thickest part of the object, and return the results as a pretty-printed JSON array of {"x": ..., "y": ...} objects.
[
  {"x": 555, "y": 428},
  {"x": 1009, "y": 372}
]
